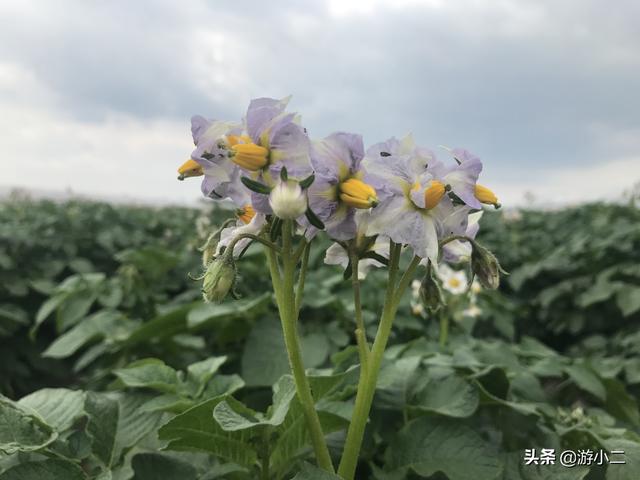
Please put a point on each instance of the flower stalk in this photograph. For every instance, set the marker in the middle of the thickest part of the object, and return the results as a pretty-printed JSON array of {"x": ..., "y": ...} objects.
[
  {"x": 283, "y": 283},
  {"x": 369, "y": 376}
]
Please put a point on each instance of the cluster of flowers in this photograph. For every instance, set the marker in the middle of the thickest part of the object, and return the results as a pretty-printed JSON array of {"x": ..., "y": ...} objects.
[{"x": 394, "y": 190}]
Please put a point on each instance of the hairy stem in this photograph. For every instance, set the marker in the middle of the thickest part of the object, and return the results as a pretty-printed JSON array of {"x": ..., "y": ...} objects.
[
  {"x": 361, "y": 333},
  {"x": 368, "y": 379},
  {"x": 444, "y": 329},
  {"x": 302, "y": 275},
  {"x": 286, "y": 299}
]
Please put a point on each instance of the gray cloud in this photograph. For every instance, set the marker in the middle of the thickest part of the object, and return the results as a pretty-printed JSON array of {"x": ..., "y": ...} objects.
[{"x": 530, "y": 86}]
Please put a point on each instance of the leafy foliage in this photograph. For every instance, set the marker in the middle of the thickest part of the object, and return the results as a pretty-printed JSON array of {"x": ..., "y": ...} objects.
[{"x": 112, "y": 368}]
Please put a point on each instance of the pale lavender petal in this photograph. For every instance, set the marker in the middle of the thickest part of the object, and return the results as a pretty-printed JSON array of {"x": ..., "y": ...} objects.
[
  {"x": 199, "y": 125},
  {"x": 260, "y": 113},
  {"x": 289, "y": 147},
  {"x": 337, "y": 154},
  {"x": 463, "y": 180}
]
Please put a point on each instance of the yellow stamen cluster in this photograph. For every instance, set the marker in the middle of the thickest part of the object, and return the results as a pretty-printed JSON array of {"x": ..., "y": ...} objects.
[
  {"x": 246, "y": 214},
  {"x": 190, "y": 168},
  {"x": 433, "y": 194},
  {"x": 358, "y": 194},
  {"x": 249, "y": 156},
  {"x": 236, "y": 139},
  {"x": 484, "y": 195}
]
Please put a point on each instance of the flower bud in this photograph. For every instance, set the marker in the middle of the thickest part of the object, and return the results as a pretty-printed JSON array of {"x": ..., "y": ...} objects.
[
  {"x": 485, "y": 195},
  {"x": 250, "y": 156},
  {"x": 190, "y": 168},
  {"x": 209, "y": 248},
  {"x": 485, "y": 266},
  {"x": 433, "y": 194},
  {"x": 430, "y": 292},
  {"x": 288, "y": 200},
  {"x": 358, "y": 194},
  {"x": 219, "y": 278}
]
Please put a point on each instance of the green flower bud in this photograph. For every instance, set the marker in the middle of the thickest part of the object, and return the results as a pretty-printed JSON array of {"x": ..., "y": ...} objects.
[
  {"x": 219, "y": 279},
  {"x": 430, "y": 292},
  {"x": 485, "y": 266}
]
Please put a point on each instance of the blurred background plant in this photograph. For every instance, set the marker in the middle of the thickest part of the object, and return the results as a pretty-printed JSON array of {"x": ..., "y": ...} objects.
[{"x": 98, "y": 314}]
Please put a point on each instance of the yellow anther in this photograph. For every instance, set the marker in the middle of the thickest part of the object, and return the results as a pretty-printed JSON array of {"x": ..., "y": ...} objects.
[
  {"x": 433, "y": 194},
  {"x": 236, "y": 139},
  {"x": 358, "y": 194},
  {"x": 484, "y": 195},
  {"x": 190, "y": 168},
  {"x": 250, "y": 156},
  {"x": 246, "y": 214}
]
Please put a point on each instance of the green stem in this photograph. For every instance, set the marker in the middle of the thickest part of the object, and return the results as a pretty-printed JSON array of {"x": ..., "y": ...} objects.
[
  {"x": 452, "y": 238},
  {"x": 367, "y": 385},
  {"x": 444, "y": 329},
  {"x": 302, "y": 275},
  {"x": 286, "y": 300},
  {"x": 255, "y": 238},
  {"x": 361, "y": 333}
]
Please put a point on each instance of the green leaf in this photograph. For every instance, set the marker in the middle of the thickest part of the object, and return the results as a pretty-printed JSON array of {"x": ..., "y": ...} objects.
[
  {"x": 620, "y": 403},
  {"x": 395, "y": 383},
  {"x": 199, "y": 374},
  {"x": 45, "y": 310},
  {"x": 232, "y": 415},
  {"x": 452, "y": 396},
  {"x": 154, "y": 466},
  {"x": 168, "y": 402},
  {"x": 311, "y": 472},
  {"x": 51, "y": 469},
  {"x": 149, "y": 373},
  {"x": 22, "y": 429},
  {"x": 586, "y": 378},
  {"x": 629, "y": 470},
  {"x": 163, "y": 326},
  {"x": 103, "y": 413},
  {"x": 74, "y": 308},
  {"x": 133, "y": 422},
  {"x": 222, "y": 385},
  {"x": 207, "y": 315},
  {"x": 59, "y": 407},
  {"x": 196, "y": 429},
  {"x": 264, "y": 359},
  {"x": 429, "y": 445},
  {"x": 628, "y": 300},
  {"x": 92, "y": 328},
  {"x": 315, "y": 349}
]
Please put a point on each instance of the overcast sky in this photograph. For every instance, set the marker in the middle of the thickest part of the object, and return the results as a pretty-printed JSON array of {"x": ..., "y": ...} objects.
[{"x": 96, "y": 96}]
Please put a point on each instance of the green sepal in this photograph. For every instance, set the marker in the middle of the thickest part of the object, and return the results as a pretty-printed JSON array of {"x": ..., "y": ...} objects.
[
  {"x": 313, "y": 219},
  {"x": 306, "y": 183},
  {"x": 255, "y": 186}
]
